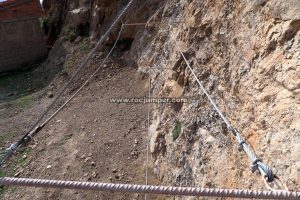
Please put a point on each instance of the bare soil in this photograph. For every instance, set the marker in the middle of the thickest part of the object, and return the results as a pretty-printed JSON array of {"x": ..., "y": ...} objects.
[{"x": 92, "y": 139}]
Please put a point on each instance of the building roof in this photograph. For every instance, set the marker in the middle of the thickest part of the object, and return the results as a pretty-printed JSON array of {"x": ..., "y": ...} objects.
[{"x": 7, "y": 2}]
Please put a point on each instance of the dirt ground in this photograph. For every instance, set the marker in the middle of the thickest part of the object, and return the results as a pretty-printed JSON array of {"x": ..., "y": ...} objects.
[{"x": 91, "y": 140}]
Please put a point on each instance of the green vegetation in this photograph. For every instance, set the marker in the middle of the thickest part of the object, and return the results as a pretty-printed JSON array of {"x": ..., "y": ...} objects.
[
  {"x": 67, "y": 65},
  {"x": 176, "y": 130},
  {"x": 3, "y": 188},
  {"x": 84, "y": 44},
  {"x": 25, "y": 150},
  {"x": 5, "y": 137},
  {"x": 22, "y": 102},
  {"x": 20, "y": 162},
  {"x": 43, "y": 21},
  {"x": 22, "y": 159},
  {"x": 2, "y": 174},
  {"x": 69, "y": 34}
]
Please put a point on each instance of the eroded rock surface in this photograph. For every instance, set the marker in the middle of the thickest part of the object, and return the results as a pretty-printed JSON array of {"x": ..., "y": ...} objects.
[{"x": 246, "y": 54}]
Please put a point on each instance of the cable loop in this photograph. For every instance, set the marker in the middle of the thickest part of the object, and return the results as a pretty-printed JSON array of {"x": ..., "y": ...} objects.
[{"x": 269, "y": 176}]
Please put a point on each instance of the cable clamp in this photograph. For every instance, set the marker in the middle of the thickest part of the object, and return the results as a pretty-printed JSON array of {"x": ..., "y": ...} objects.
[
  {"x": 240, "y": 145},
  {"x": 239, "y": 138},
  {"x": 254, "y": 165},
  {"x": 12, "y": 148},
  {"x": 34, "y": 131},
  {"x": 28, "y": 137},
  {"x": 264, "y": 170}
]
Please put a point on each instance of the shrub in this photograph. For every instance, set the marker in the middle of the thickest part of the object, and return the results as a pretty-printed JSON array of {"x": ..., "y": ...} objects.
[
  {"x": 69, "y": 34},
  {"x": 84, "y": 44},
  {"x": 176, "y": 130}
]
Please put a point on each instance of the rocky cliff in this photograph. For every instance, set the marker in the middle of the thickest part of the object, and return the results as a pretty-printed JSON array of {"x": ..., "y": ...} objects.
[{"x": 246, "y": 53}]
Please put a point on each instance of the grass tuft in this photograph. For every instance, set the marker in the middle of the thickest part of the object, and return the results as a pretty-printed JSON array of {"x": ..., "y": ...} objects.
[
  {"x": 22, "y": 102},
  {"x": 176, "y": 130},
  {"x": 84, "y": 44},
  {"x": 2, "y": 174},
  {"x": 69, "y": 34}
]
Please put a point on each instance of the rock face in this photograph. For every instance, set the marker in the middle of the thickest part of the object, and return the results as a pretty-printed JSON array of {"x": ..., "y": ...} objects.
[
  {"x": 246, "y": 53},
  {"x": 92, "y": 17}
]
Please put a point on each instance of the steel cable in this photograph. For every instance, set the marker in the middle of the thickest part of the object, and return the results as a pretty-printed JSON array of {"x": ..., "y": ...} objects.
[
  {"x": 257, "y": 164},
  {"x": 85, "y": 83},
  {"x": 148, "y": 128}
]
